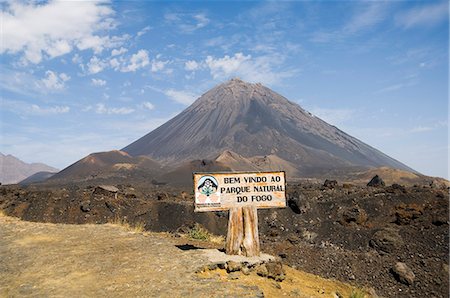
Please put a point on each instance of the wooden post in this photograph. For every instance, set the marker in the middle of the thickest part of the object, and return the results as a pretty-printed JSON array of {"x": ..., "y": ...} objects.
[
  {"x": 242, "y": 236},
  {"x": 250, "y": 245},
  {"x": 235, "y": 234}
]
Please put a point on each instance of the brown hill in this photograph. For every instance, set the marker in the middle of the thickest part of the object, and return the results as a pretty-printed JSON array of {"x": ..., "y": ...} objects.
[
  {"x": 13, "y": 170},
  {"x": 111, "y": 164},
  {"x": 252, "y": 120},
  {"x": 271, "y": 162}
]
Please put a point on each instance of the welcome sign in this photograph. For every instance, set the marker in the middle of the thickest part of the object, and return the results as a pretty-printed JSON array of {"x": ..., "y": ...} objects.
[{"x": 222, "y": 191}]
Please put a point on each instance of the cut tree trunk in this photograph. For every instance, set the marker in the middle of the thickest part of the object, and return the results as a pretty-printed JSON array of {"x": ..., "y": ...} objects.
[
  {"x": 242, "y": 236},
  {"x": 235, "y": 234}
]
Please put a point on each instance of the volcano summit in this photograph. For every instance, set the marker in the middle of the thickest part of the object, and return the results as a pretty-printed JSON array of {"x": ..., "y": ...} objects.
[{"x": 252, "y": 120}]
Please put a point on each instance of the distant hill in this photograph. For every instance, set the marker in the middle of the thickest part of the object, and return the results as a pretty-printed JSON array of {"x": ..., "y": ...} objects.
[
  {"x": 108, "y": 165},
  {"x": 13, "y": 170},
  {"x": 37, "y": 177},
  {"x": 251, "y": 120}
]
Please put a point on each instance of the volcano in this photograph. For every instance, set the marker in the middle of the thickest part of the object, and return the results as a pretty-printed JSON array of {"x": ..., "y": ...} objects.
[{"x": 252, "y": 120}]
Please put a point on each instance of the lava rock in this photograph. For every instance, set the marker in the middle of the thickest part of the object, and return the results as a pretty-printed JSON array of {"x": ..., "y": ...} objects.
[
  {"x": 275, "y": 270},
  {"x": 405, "y": 213},
  {"x": 106, "y": 190},
  {"x": 85, "y": 206},
  {"x": 387, "y": 240},
  {"x": 298, "y": 203},
  {"x": 403, "y": 273},
  {"x": 261, "y": 270},
  {"x": 330, "y": 183},
  {"x": 233, "y": 266},
  {"x": 376, "y": 181},
  {"x": 353, "y": 214},
  {"x": 396, "y": 187}
]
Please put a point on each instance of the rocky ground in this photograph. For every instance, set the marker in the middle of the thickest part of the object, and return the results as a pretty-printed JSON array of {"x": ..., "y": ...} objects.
[
  {"x": 59, "y": 260},
  {"x": 392, "y": 238}
]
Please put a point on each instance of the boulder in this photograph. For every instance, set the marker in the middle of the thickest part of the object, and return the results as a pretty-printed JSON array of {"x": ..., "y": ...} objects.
[
  {"x": 376, "y": 181},
  {"x": 330, "y": 183},
  {"x": 403, "y": 273},
  {"x": 387, "y": 240},
  {"x": 106, "y": 190},
  {"x": 353, "y": 214},
  {"x": 275, "y": 270},
  {"x": 233, "y": 266},
  {"x": 85, "y": 206}
]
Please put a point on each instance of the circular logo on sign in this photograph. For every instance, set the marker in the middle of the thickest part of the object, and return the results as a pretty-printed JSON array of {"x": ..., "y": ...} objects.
[{"x": 207, "y": 185}]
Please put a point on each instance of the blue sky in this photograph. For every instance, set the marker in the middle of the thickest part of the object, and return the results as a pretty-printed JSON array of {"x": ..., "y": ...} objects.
[{"x": 82, "y": 77}]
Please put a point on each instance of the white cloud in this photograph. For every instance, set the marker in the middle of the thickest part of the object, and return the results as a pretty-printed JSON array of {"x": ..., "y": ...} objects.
[
  {"x": 183, "y": 97},
  {"x": 158, "y": 65},
  {"x": 118, "y": 52},
  {"x": 428, "y": 15},
  {"x": 259, "y": 69},
  {"x": 98, "y": 82},
  {"x": 95, "y": 65},
  {"x": 188, "y": 23},
  {"x": 148, "y": 105},
  {"x": 54, "y": 28},
  {"x": 37, "y": 110},
  {"x": 137, "y": 61},
  {"x": 191, "y": 65},
  {"x": 54, "y": 81},
  {"x": 102, "y": 109},
  {"x": 227, "y": 65}
]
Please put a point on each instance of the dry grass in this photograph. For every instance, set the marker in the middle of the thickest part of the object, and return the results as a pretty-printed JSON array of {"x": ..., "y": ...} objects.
[
  {"x": 2, "y": 213},
  {"x": 200, "y": 233},
  {"x": 138, "y": 227}
]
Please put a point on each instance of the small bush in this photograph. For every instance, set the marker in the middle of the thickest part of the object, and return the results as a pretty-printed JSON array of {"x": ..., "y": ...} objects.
[
  {"x": 357, "y": 294},
  {"x": 199, "y": 233}
]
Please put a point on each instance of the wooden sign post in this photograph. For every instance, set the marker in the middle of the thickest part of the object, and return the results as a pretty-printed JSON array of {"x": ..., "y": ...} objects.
[{"x": 241, "y": 193}]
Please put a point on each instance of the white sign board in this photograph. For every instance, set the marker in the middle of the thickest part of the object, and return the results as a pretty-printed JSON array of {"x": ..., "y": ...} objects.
[{"x": 222, "y": 191}]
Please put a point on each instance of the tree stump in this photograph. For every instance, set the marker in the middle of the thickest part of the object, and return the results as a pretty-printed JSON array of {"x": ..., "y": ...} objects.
[{"x": 242, "y": 235}]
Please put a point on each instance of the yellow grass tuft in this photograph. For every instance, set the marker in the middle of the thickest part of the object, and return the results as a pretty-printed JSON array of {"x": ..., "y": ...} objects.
[{"x": 138, "y": 227}]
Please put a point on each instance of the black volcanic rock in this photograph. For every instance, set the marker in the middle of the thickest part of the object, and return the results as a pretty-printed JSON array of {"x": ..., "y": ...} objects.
[
  {"x": 376, "y": 181},
  {"x": 250, "y": 120}
]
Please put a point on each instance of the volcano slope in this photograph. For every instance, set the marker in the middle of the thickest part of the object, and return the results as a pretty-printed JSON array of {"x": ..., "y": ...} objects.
[{"x": 252, "y": 120}]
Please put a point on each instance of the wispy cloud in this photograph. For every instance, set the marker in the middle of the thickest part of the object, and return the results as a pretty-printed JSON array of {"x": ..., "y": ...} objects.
[
  {"x": 186, "y": 22},
  {"x": 103, "y": 109},
  {"x": 427, "y": 15},
  {"x": 98, "y": 82},
  {"x": 148, "y": 105},
  {"x": 366, "y": 16},
  {"x": 429, "y": 127},
  {"x": 26, "y": 109},
  {"x": 143, "y": 31}
]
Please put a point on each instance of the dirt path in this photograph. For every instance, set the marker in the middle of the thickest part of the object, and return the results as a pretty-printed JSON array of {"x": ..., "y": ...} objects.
[{"x": 56, "y": 260}]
